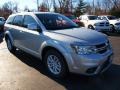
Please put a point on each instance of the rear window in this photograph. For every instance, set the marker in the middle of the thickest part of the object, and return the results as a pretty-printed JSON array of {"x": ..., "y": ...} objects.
[{"x": 10, "y": 20}]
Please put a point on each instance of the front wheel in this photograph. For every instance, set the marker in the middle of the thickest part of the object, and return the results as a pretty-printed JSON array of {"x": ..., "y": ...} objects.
[
  {"x": 91, "y": 27},
  {"x": 55, "y": 64},
  {"x": 112, "y": 28}
]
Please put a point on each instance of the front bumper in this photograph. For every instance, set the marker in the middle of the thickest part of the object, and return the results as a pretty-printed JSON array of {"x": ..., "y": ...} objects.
[
  {"x": 102, "y": 28},
  {"x": 91, "y": 64}
]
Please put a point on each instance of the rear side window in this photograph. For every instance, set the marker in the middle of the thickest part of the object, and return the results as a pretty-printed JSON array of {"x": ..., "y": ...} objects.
[
  {"x": 10, "y": 20},
  {"x": 28, "y": 20},
  {"x": 18, "y": 20}
]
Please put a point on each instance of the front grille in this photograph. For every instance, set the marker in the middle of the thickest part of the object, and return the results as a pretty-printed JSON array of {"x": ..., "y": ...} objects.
[
  {"x": 101, "y": 24},
  {"x": 102, "y": 48},
  {"x": 104, "y": 24}
]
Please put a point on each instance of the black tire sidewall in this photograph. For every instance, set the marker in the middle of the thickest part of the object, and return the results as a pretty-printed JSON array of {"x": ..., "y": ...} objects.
[
  {"x": 91, "y": 27},
  {"x": 113, "y": 28}
]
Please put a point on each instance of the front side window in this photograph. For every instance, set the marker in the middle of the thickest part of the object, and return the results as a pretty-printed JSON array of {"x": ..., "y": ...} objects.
[
  {"x": 56, "y": 21},
  {"x": 10, "y": 20},
  {"x": 18, "y": 20},
  {"x": 28, "y": 20}
]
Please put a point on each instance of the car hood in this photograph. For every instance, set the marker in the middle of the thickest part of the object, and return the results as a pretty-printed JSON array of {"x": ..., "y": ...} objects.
[
  {"x": 82, "y": 35},
  {"x": 114, "y": 21}
]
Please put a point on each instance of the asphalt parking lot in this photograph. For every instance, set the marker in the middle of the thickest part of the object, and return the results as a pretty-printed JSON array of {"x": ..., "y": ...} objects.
[{"x": 21, "y": 71}]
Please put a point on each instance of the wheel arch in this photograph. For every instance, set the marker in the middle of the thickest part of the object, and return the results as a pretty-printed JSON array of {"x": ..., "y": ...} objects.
[
  {"x": 7, "y": 34},
  {"x": 45, "y": 49}
]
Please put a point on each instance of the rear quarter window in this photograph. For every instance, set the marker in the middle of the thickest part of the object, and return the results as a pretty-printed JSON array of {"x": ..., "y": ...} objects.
[
  {"x": 18, "y": 20},
  {"x": 10, "y": 20}
]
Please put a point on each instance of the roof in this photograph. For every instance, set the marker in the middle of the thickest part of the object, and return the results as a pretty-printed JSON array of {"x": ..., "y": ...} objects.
[
  {"x": 105, "y": 15},
  {"x": 31, "y": 13},
  {"x": 88, "y": 15}
]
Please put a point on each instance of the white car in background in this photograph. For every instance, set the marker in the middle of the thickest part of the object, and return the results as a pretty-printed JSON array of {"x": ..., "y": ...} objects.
[
  {"x": 114, "y": 22},
  {"x": 92, "y": 22}
]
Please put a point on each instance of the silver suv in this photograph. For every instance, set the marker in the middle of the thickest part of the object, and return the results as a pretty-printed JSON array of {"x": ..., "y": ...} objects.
[{"x": 59, "y": 43}]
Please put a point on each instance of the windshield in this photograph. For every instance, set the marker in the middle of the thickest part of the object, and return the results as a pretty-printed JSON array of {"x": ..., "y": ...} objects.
[
  {"x": 56, "y": 21},
  {"x": 112, "y": 17},
  {"x": 71, "y": 17},
  {"x": 93, "y": 17}
]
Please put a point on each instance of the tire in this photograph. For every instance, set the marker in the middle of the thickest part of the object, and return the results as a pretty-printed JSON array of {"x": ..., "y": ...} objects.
[
  {"x": 112, "y": 28},
  {"x": 10, "y": 46},
  {"x": 90, "y": 27},
  {"x": 53, "y": 59}
]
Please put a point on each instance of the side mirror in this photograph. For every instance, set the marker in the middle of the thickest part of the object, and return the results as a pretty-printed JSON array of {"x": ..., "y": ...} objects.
[{"x": 34, "y": 26}]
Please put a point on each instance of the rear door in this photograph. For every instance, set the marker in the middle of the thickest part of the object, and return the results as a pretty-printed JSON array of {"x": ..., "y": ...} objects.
[
  {"x": 31, "y": 39},
  {"x": 13, "y": 25},
  {"x": 16, "y": 30}
]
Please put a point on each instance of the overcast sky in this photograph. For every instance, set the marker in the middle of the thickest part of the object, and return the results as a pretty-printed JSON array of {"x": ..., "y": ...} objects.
[{"x": 31, "y": 4}]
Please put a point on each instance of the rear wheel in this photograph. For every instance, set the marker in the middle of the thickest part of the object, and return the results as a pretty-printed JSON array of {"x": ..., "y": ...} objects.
[
  {"x": 10, "y": 46},
  {"x": 91, "y": 27},
  {"x": 55, "y": 64}
]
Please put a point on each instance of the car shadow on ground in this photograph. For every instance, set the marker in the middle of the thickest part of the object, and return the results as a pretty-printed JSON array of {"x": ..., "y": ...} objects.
[
  {"x": 1, "y": 37},
  {"x": 108, "y": 81}
]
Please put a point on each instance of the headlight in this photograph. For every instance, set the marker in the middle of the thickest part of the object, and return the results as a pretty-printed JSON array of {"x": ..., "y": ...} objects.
[{"x": 84, "y": 49}]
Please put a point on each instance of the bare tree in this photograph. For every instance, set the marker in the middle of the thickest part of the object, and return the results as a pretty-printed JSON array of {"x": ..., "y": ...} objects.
[
  {"x": 43, "y": 7},
  {"x": 48, "y": 4},
  {"x": 115, "y": 3},
  {"x": 65, "y": 6},
  {"x": 8, "y": 8}
]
